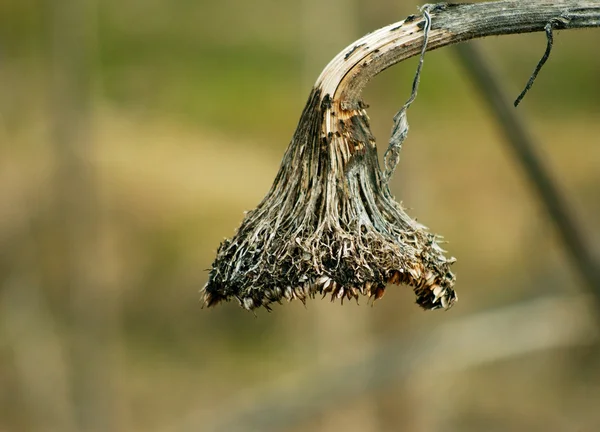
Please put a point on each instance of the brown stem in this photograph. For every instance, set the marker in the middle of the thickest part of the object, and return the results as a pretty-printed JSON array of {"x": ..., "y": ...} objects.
[{"x": 347, "y": 74}]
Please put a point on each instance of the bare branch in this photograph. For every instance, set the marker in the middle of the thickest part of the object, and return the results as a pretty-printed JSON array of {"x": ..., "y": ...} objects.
[{"x": 345, "y": 79}]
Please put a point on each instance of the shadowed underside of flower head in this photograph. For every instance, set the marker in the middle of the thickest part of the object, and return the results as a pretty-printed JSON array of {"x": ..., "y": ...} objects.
[{"x": 329, "y": 225}]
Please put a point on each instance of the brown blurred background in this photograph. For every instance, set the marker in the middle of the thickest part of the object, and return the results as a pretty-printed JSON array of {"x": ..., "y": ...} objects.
[{"x": 133, "y": 135}]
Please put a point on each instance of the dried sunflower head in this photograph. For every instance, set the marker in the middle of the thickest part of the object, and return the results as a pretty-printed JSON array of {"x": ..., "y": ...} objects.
[{"x": 329, "y": 225}]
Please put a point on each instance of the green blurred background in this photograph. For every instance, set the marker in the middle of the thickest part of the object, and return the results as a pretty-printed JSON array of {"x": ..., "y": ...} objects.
[{"x": 133, "y": 135}]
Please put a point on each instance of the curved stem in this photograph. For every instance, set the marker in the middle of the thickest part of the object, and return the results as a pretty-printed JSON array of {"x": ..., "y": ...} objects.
[{"x": 347, "y": 74}]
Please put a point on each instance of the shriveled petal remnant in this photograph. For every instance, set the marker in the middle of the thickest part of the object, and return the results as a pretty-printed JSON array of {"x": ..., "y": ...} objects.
[{"x": 329, "y": 225}]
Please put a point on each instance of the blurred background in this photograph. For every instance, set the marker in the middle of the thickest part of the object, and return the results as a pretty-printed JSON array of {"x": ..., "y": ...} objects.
[{"x": 135, "y": 133}]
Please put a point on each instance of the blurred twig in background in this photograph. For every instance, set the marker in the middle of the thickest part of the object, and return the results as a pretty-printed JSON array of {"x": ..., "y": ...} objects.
[
  {"x": 523, "y": 147},
  {"x": 482, "y": 338},
  {"x": 29, "y": 328},
  {"x": 79, "y": 213}
]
